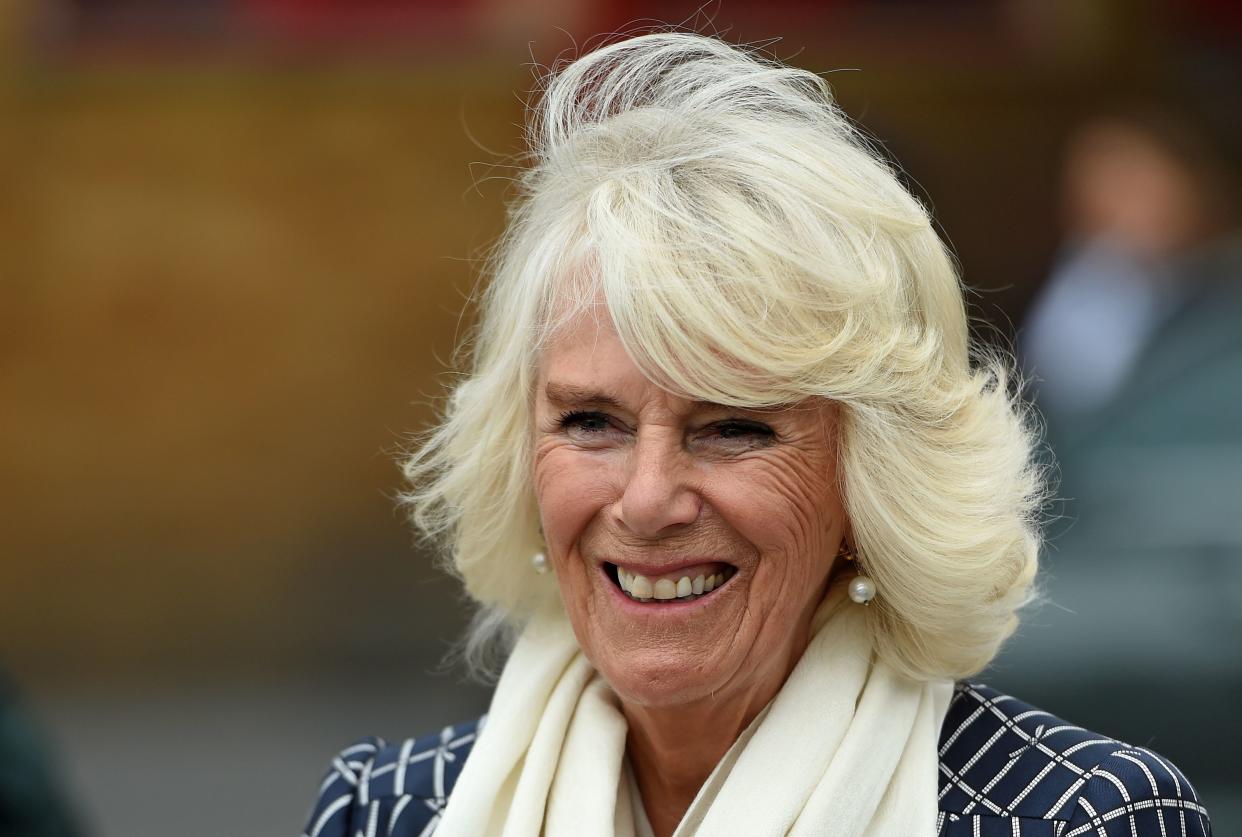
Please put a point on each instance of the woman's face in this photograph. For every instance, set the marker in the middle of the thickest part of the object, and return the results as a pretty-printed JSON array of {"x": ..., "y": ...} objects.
[{"x": 632, "y": 481}]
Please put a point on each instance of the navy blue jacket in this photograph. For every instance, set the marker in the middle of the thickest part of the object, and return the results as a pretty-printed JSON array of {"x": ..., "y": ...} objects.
[{"x": 1006, "y": 770}]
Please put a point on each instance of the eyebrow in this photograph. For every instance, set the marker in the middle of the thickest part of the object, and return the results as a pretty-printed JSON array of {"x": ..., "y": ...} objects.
[{"x": 570, "y": 395}]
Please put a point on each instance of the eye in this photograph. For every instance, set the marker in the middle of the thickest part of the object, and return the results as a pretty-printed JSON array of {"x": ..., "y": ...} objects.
[
  {"x": 586, "y": 425},
  {"x": 739, "y": 433}
]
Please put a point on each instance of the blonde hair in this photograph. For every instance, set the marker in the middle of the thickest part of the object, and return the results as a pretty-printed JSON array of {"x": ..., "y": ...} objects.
[{"x": 751, "y": 249}]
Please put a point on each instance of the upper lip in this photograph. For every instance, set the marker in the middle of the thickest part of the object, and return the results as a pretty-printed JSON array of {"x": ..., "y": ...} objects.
[{"x": 667, "y": 568}]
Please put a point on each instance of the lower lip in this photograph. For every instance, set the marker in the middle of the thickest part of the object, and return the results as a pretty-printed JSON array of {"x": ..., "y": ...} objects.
[{"x": 668, "y": 607}]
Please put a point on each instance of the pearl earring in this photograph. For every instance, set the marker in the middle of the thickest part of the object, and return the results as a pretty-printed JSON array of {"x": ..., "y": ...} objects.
[
  {"x": 862, "y": 588},
  {"x": 540, "y": 562}
]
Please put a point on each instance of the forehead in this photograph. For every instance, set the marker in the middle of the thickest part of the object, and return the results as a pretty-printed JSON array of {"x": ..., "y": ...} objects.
[
  {"x": 584, "y": 361},
  {"x": 584, "y": 350}
]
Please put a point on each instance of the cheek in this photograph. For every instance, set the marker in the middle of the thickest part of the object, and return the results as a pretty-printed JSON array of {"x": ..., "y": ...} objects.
[
  {"x": 789, "y": 506},
  {"x": 790, "y": 511},
  {"x": 570, "y": 489}
]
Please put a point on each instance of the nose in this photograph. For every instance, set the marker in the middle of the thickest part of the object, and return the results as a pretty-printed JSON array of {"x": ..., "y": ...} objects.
[{"x": 658, "y": 499}]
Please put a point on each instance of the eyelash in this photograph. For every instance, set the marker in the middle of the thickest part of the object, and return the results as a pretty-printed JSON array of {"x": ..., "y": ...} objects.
[
  {"x": 574, "y": 418},
  {"x": 750, "y": 428}
]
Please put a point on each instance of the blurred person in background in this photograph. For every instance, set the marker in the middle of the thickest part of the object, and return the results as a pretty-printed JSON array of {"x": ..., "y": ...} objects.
[
  {"x": 1153, "y": 252},
  {"x": 726, "y": 465},
  {"x": 1134, "y": 347},
  {"x": 32, "y": 800}
]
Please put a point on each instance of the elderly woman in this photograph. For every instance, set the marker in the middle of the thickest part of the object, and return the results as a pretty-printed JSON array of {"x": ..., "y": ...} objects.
[{"x": 725, "y": 478}]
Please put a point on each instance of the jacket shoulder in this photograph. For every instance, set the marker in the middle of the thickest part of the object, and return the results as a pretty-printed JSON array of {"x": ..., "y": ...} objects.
[
  {"x": 393, "y": 790},
  {"x": 1009, "y": 766}
]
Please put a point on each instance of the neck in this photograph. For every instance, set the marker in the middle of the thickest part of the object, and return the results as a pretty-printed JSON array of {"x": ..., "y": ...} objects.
[{"x": 673, "y": 749}]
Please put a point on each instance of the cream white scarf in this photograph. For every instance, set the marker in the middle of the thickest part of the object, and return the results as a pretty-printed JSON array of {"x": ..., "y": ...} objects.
[{"x": 847, "y": 748}]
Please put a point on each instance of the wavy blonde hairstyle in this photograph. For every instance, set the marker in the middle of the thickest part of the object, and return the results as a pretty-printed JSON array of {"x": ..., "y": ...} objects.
[{"x": 751, "y": 250}]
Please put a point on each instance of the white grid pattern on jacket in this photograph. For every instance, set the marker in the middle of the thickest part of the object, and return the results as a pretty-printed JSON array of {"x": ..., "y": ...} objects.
[{"x": 1006, "y": 770}]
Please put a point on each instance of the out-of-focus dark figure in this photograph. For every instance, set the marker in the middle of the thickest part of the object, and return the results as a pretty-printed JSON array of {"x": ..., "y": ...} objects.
[
  {"x": 1134, "y": 348},
  {"x": 1153, "y": 246},
  {"x": 32, "y": 802}
]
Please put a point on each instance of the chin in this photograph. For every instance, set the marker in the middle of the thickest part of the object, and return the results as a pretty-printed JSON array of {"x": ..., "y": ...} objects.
[{"x": 654, "y": 678}]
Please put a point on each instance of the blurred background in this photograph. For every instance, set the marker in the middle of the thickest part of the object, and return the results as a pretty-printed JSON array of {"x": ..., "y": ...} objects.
[{"x": 236, "y": 242}]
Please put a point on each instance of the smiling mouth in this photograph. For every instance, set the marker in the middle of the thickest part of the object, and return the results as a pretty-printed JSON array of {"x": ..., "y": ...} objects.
[{"x": 668, "y": 589}]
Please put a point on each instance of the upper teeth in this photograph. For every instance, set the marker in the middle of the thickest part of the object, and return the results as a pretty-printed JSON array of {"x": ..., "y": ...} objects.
[{"x": 644, "y": 589}]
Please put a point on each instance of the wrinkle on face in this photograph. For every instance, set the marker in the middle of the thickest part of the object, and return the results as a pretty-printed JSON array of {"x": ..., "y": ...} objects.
[{"x": 771, "y": 509}]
